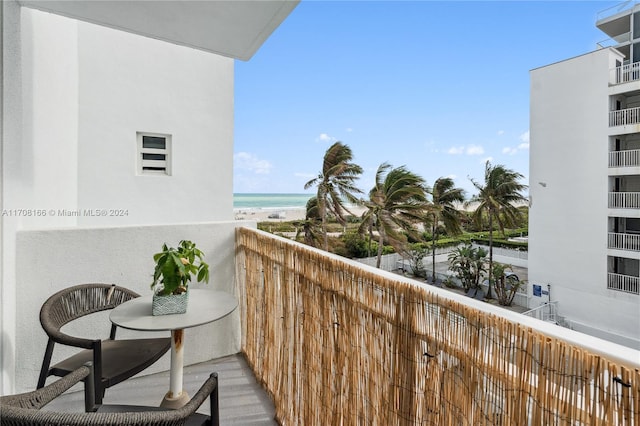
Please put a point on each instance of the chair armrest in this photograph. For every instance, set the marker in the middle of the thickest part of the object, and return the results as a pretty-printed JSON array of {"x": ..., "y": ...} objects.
[
  {"x": 123, "y": 413},
  {"x": 41, "y": 397},
  {"x": 78, "y": 342},
  {"x": 208, "y": 389}
]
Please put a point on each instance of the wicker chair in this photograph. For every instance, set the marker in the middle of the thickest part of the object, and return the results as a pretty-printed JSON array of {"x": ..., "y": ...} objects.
[
  {"x": 113, "y": 360},
  {"x": 24, "y": 409}
]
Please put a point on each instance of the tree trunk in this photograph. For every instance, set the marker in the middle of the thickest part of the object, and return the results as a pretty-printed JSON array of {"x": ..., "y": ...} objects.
[
  {"x": 323, "y": 213},
  {"x": 434, "y": 230},
  {"x": 489, "y": 296},
  {"x": 380, "y": 246}
]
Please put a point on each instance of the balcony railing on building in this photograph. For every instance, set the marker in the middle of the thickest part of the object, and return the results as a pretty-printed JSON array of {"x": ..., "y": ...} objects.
[
  {"x": 337, "y": 342},
  {"x": 623, "y": 241},
  {"x": 625, "y": 73},
  {"x": 624, "y": 200},
  {"x": 626, "y": 158},
  {"x": 547, "y": 312},
  {"x": 624, "y": 117},
  {"x": 615, "y": 9},
  {"x": 625, "y": 283}
]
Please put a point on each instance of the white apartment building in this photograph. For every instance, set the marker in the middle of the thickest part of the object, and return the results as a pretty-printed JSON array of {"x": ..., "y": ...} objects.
[
  {"x": 584, "y": 236},
  {"x": 117, "y": 136}
]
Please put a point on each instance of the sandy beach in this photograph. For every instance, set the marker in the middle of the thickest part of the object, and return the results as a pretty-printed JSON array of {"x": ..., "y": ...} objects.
[{"x": 279, "y": 215}]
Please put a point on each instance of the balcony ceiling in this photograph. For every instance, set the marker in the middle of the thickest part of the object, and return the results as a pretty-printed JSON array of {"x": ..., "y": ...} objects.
[
  {"x": 616, "y": 27},
  {"x": 235, "y": 29},
  {"x": 616, "y": 24}
]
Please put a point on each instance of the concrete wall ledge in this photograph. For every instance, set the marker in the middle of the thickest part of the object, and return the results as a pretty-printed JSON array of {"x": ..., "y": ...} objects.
[{"x": 49, "y": 260}]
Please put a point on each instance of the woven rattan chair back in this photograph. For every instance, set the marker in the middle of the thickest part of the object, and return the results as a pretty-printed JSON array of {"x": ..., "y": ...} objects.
[
  {"x": 77, "y": 301},
  {"x": 25, "y": 409},
  {"x": 113, "y": 360}
]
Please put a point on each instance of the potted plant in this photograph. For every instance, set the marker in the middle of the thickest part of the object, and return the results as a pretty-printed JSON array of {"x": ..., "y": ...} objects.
[{"x": 173, "y": 271}]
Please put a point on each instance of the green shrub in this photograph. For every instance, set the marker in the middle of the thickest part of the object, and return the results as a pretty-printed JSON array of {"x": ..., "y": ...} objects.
[
  {"x": 516, "y": 245},
  {"x": 357, "y": 246}
]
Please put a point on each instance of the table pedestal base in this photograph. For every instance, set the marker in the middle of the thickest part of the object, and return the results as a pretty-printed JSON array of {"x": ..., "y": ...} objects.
[{"x": 175, "y": 402}]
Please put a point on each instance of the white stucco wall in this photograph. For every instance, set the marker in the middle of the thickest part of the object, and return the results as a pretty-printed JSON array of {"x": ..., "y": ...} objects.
[
  {"x": 52, "y": 259},
  {"x": 48, "y": 151},
  {"x": 11, "y": 131},
  {"x": 136, "y": 84},
  {"x": 568, "y": 188},
  {"x": 74, "y": 95},
  {"x": 80, "y": 93}
]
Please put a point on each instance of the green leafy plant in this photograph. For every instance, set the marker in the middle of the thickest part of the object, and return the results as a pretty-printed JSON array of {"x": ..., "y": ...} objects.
[
  {"x": 175, "y": 267},
  {"x": 468, "y": 264},
  {"x": 416, "y": 263},
  {"x": 505, "y": 285}
]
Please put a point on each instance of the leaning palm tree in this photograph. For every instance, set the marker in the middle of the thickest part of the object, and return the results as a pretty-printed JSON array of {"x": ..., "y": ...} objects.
[
  {"x": 496, "y": 199},
  {"x": 444, "y": 197},
  {"x": 396, "y": 203},
  {"x": 310, "y": 226},
  {"x": 336, "y": 185}
]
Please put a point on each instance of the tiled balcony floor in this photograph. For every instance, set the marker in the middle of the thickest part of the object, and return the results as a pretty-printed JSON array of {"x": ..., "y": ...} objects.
[{"x": 242, "y": 400}]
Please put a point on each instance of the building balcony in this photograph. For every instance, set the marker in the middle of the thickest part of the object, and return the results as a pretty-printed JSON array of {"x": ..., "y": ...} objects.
[
  {"x": 624, "y": 117},
  {"x": 333, "y": 341},
  {"x": 625, "y": 74},
  {"x": 615, "y": 20},
  {"x": 626, "y": 158},
  {"x": 624, "y": 200},
  {"x": 624, "y": 283},
  {"x": 623, "y": 241}
]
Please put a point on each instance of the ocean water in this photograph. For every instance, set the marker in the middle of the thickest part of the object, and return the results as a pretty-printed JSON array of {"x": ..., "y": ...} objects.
[{"x": 270, "y": 201}]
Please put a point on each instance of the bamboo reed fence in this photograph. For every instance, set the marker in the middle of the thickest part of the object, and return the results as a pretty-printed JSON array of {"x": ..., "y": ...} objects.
[{"x": 338, "y": 344}]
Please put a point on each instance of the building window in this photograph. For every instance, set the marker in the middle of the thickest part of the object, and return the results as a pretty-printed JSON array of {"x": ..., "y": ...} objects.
[{"x": 154, "y": 154}]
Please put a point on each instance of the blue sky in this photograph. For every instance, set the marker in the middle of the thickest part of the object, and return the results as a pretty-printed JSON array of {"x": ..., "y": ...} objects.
[{"x": 438, "y": 87}]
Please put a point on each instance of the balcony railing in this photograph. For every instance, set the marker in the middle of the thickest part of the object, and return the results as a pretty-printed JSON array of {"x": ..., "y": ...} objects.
[
  {"x": 625, "y": 73},
  {"x": 624, "y": 200},
  {"x": 624, "y": 117},
  {"x": 547, "y": 312},
  {"x": 625, "y": 283},
  {"x": 615, "y": 9},
  {"x": 336, "y": 342},
  {"x": 623, "y": 241},
  {"x": 626, "y": 158}
]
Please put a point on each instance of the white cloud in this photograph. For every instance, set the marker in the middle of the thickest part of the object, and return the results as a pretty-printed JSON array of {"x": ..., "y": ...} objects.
[
  {"x": 509, "y": 150},
  {"x": 349, "y": 130},
  {"x": 500, "y": 132},
  {"x": 248, "y": 161},
  {"x": 304, "y": 175},
  {"x": 432, "y": 146},
  {"x": 469, "y": 150},
  {"x": 325, "y": 138},
  {"x": 489, "y": 159},
  {"x": 524, "y": 145},
  {"x": 525, "y": 137},
  {"x": 475, "y": 150}
]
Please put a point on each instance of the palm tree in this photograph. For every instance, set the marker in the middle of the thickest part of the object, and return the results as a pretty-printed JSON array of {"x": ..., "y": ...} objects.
[
  {"x": 496, "y": 199},
  {"x": 444, "y": 197},
  {"x": 336, "y": 185},
  {"x": 310, "y": 226},
  {"x": 396, "y": 203}
]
